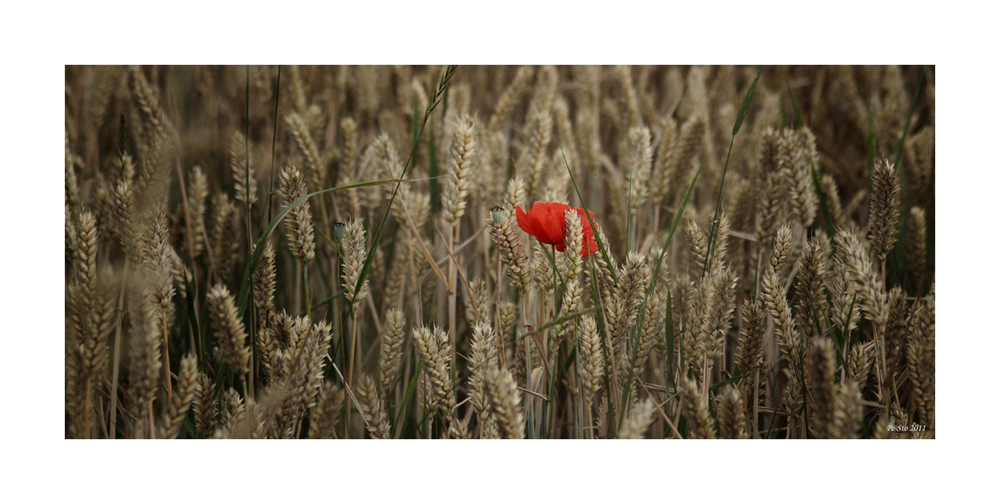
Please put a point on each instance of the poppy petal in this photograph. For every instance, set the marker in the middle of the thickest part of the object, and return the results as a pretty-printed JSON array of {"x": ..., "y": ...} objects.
[{"x": 525, "y": 221}]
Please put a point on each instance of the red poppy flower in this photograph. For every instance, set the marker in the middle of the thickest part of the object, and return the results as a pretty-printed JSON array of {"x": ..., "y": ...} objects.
[{"x": 547, "y": 222}]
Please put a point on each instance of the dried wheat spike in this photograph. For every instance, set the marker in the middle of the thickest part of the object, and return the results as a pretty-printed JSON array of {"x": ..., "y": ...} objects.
[
  {"x": 689, "y": 303},
  {"x": 867, "y": 283},
  {"x": 355, "y": 250},
  {"x": 197, "y": 195},
  {"x": 682, "y": 154},
  {"x": 505, "y": 403},
  {"x": 457, "y": 430},
  {"x": 884, "y": 209},
  {"x": 622, "y": 313},
  {"x": 533, "y": 158},
  {"x": 848, "y": 412},
  {"x": 721, "y": 242},
  {"x": 845, "y": 312},
  {"x": 574, "y": 244},
  {"x": 477, "y": 302},
  {"x": 390, "y": 359},
  {"x": 895, "y": 331},
  {"x": 483, "y": 357},
  {"x": 823, "y": 400},
  {"x": 347, "y": 200},
  {"x": 72, "y": 187},
  {"x": 782, "y": 250},
  {"x": 233, "y": 410},
  {"x": 264, "y": 282},
  {"x": 229, "y": 331},
  {"x": 302, "y": 373},
  {"x": 698, "y": 243},
  {"x": 772, "y": 293},
  {"x": 512, "y": 253},
  {"x": 144, "y": 354},
  {"x": 797, "y": 157},
  {"x": 638, "y": 420},
  {"x": 433, "y": 348},
  {"x": 811, "y": 302},
  {"x": 694, "y": 408},
  {"x": 638, "y": 163},
  {"x": 123, "y": 208},
  {"x": 659, "y": 179},
  {"x": 542, "y": 267},
  {"x": 791, "y": 396},
  {"x": 156, "y": 260},
  {"x": 860, "y": 362},
  {"x": 206, "y": 408},
  {"x": 771, "y": 188},
  {"x": 731, "y": 418},
  {"x": 241, "y": 164},
  {"x": 623, "y": 74},
  {"x": 508, "y": 311},
  {"x": 91, "y": 353},
  {"x": 180, "y": 403},
  {"x": 153, "y": 116},
  {"x": 516, "y": 195},
  {"x": 829, "y": 187},
  {"x": 749, "y": 356},
  {"x": 328, "y": 409},
  {"x": 71, "y": 238},
  {"x": 373, "y": 408},
  {"x": 225, "y": 236},
  {"x": 305, "y": 144},
  {"x": 564, "y": 128},
  {"x": 720, "y": 303},
  {"x": 456, "y": 186},
  {"x": 298, "y": 225},
  {"x": 916, "y": 246},
  {"x": 509, "y": 99},
  {"x": 84, "y": 282},
  {"x": 921, "y": 359}
]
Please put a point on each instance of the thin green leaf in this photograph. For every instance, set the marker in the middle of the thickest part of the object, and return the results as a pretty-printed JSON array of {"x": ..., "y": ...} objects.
[
  {"x": 560, "y": 320},
  {"x": 746, "y": 103},
  {"x": 259, "y": 246},
  {"x": 735, "y": 379},
  {"x": 436, "y": 99},
  {"x": 597, "y": 236},
  {"x": 407, "y": 399},
  {"x": 823, "y": 204},
  {"x": 795, "y": 104}
]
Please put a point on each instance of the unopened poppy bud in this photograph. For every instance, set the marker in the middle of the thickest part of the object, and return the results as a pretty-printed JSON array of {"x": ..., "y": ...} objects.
[
  {"x": 497, "y": 214},
  {"x": 338, "y": 230}
]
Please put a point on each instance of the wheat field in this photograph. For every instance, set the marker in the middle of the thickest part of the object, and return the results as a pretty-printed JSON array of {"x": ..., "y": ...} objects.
[{"x": 486, "y": 252}]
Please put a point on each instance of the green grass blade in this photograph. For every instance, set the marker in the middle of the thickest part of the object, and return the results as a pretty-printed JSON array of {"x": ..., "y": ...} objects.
[
  {"x": 407, "y": 399},
  {"x": 259, "y": 246},
  {"x": 735, "y": 379},
  {"x": 652, "y": 286},
  {"x": 274, "y": 141},
  {"x": 718, "y": 203},
  {"x": 795, "y": 104},
  {"x": 435, "y": 101},
  {"x": 560, "y": 320},
  {"x": 669, "y": 332},
  {"x": 433, "y": 170},
  {"x": 673, "y": 228},
  {"x": 586, "y": 211},
  {"x": 823, "y": 204},
  {"x": 746, "y": 103},
  {"x": 909, "y": 117},
  {"x": 870, "y": 145}
]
